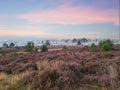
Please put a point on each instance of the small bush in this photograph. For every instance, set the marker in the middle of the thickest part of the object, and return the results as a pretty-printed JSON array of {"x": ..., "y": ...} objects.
[
  {"x": 93, "y": 47},
  {"x": 44, "y": 48}
]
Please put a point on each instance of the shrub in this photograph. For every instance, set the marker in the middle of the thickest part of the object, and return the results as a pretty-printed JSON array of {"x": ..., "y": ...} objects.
[
  {"x": 17, "y": 47},
  {"x": 93, "y": 47},
  {"x": 65, "y": 47},
  {"x": 106, "y": 45},
  {"x": 44, "y": 48},
  {"x": 29, "y": 47},
  {"x": 35, "y": 50},
  {"x": 3, "y": 53},
  {"x": 15, "y": 54}
]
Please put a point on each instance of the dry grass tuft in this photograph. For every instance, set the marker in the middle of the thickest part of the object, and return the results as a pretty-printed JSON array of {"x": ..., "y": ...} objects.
[{"x": 3, "y": 76}]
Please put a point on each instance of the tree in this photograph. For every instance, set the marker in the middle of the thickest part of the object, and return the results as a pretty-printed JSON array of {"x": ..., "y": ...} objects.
[
  {"x": 93, "y": 47},
  {"x": 84, "y": 40},
  {"x": 110, "y": 43},
  {"x": 100, "y": 43},
  {"x": 5, "y": 45},
  {"x": 29, "y": 47},
  {"x": 44, "y": 48},
  {"x": 12, "y": 45},
  {"x": 47, "y": 42},
  {"x": 106, "y": 45},
  {"x": 66, "y": 41},
  {"x": 78, "y": 43},
  {"x": 74, "y": 40}
]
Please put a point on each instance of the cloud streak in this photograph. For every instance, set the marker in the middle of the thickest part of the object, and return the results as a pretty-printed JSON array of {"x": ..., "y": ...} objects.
[
  {"x": 21, "y": 33},
  {"x": 67, "y": 15}
]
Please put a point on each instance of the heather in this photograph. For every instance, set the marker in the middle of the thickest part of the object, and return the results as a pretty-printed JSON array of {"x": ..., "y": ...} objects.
[{"x": 73, "y": 68}]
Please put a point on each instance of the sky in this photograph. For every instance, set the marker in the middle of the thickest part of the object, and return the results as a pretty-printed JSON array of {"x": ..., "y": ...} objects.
[{"x": 59, "y": 19}]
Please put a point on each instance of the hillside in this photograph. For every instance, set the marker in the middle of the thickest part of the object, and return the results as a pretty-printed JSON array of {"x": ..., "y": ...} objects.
[{"x": 75, "y": 68}]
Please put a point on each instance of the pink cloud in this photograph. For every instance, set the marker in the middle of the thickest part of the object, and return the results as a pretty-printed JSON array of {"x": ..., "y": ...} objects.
[
  {"x": 66, "y": 14},
  {"x": 22, "y": 33},
  {"x": 2, "y": 17}
]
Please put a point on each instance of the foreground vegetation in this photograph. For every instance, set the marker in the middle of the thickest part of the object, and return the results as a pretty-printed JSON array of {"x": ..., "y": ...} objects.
[{"x": 72, "y": 68}]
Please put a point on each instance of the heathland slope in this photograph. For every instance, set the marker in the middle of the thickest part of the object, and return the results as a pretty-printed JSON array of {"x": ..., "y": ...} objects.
[{"x": 72, "y": 69}]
